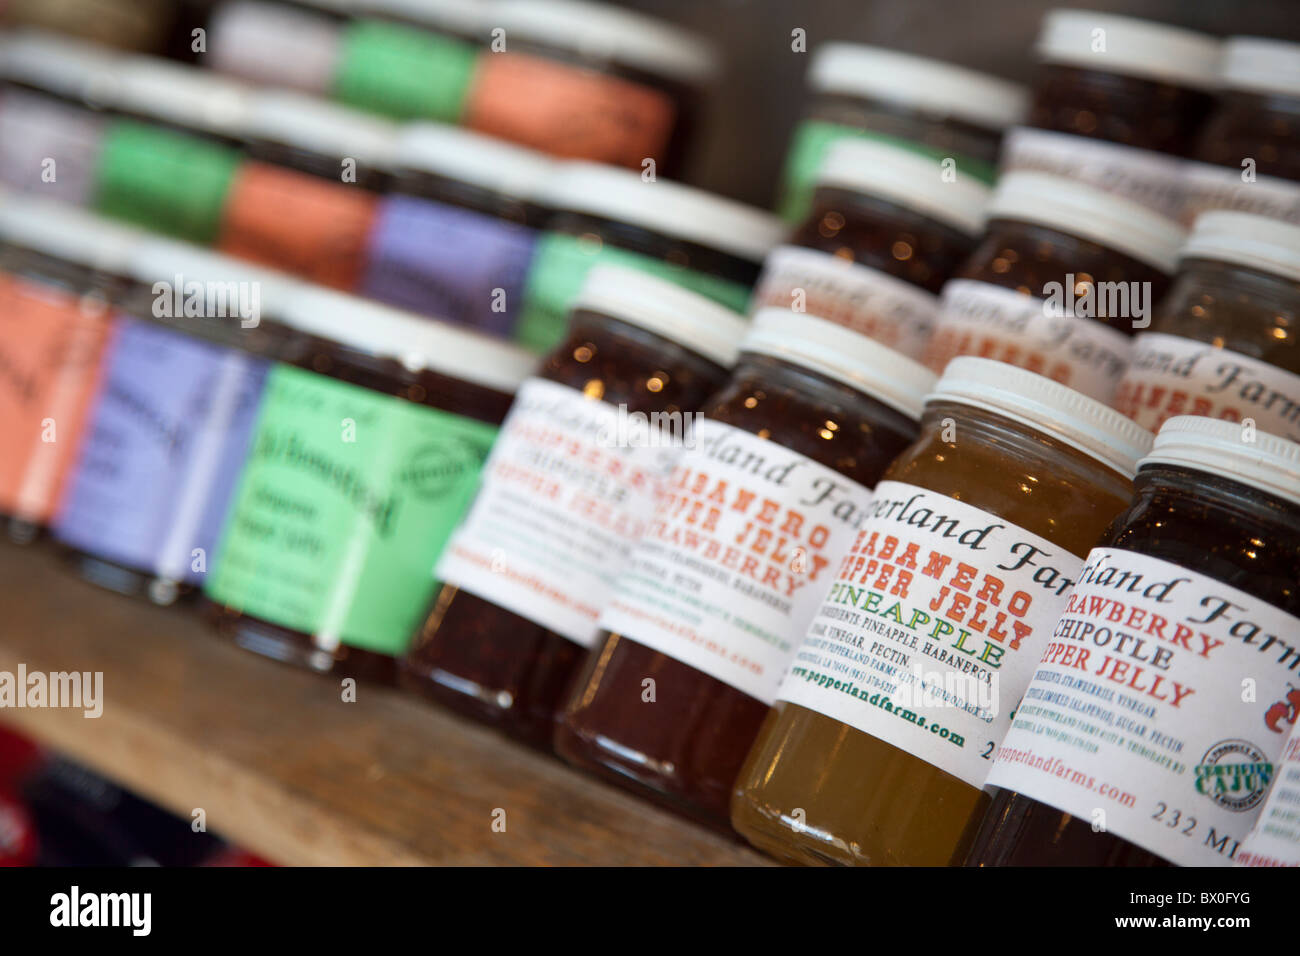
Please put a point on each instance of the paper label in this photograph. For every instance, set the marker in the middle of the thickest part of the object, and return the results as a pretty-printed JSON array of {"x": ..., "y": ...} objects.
[
  {"x": 1209, "y": 187},
  {"x": 404, "y": 73},
  {"x": 1275, "y": 841}
]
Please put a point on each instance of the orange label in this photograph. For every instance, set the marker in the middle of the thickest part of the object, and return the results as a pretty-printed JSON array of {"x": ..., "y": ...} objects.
[
  {"x": 50, "y": 345},
  {"x": 298, "y": 223},
  {"x": 568, "y": 111}
]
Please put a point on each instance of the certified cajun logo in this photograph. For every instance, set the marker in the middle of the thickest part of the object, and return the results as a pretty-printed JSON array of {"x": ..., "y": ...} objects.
[{"x": 1235, "y": 774}]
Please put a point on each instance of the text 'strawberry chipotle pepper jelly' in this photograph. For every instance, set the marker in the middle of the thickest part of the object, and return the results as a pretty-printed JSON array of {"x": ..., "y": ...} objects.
[
  {"x": 930, "y": 621},
  {"x": 698, "y": 630},
  {"x": 1162, "y": 702},
  {"x": 568, "y": 488}
]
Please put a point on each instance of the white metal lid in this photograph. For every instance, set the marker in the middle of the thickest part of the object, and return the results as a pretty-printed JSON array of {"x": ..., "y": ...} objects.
[
  {"x": 483, "y": 161},
  {"x": 664, "y": 207},
  {"x": 908, "y": 178},
  {"x": 461, "y": 16},
  {"x": 1128, "y": 46},
  {"x": 1256, "y": 242},
  {"x": 157, "y": 259},
  {"x": 603, "y": 32},
  {"x": 841, "y": 354},
  {"x": 1261, "y": 65},
  {"x": 320, "y": 126},
  {"x": 1267, "y": 462},
  {"x": 665, "y": 308},
  {"x": 68, "y": 68},
  {"x": 931, "y": 86},
  {"x": 1070, "y": 206},
  {"x": 67, "y": 232},
  {"x": 1046, "y": 406},
  {"x": 415, "y": 341},
  {"x": 187, "y": 96}
]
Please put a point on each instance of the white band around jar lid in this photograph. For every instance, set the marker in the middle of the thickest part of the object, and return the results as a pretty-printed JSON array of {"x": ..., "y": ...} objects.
[
  {"x": 665, "y": 207},
  {"x": 841, "y": 354},
  {"x": 667, "y": 309},
  {"x": 1261, "y": 65},
  {"x": 64, "y": 67},
  {"x": 930, "y": 86},
  {"x": 483, "y": 161},
  {"x": 67, "y": 232},
  {"x": 1255, "y": 242},
  {"x": 320, "y": 126},
  {"x": 1227, "y": 449},
  {"x": 1070, "y": 206},
  {"x": 187, "y": 96},
  {"x": 462, "y": 16},
  {"x": 1045, "y": 406},
  {"x": 1129, "y": 46},
  {"x": 909, "y": 178}
]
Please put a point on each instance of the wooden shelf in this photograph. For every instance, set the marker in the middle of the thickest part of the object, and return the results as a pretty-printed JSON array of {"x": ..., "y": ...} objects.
[{"x": 282, "y": 766}]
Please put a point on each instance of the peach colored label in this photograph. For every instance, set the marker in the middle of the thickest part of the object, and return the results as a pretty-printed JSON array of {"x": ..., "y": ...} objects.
[
  {"x": 302, "y": 224},
  {"x": 567, "y": 111},
  {"x": 50, "y": 343}
]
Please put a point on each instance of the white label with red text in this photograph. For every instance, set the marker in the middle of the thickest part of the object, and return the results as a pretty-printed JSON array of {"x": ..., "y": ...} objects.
[
  {"x": 977, "y": 318},
  {"x": 1170, "y": 375},
  {"x": 1158, "y": 710},
  {"x": 1275, "y": 841},
  {"x": 561, "y": 503},
  {"x": 935, "y": 619},
  {"x": 1209, "y": 187},
  {"x": 880, "y": 306},
  {"x": 734, "y": 561}
]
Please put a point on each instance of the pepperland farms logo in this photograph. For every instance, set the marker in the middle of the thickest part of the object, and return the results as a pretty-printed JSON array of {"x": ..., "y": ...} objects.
[
  {"x": 1083, "y": 298},
  {"x": 1234, "y": 774},
  {"x": 439, "y": 466},
  {"x": 196, "y": 299}
]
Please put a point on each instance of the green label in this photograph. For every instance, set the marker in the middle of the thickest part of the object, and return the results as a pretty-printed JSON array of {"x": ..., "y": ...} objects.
[
  {"x": 164, "y": 180},
  {"x": 404, "y": 73},
  {"x": 343, "y": 508},
  {"x": 813, "y": 139},
  {"x": 560, "y": 266}
]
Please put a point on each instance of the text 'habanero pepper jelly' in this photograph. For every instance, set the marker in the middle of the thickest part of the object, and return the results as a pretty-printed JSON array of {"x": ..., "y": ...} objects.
[
  {"x": 568, "y": 488},
  {"x": 936, "y": 613},
  {"x": 718, "y": 590},
  {"x": 1158, "y": 713}
]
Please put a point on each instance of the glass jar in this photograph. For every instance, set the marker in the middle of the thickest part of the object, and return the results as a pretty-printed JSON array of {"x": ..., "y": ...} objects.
[
  {"x": 568, "y": 489},
  {"x": 1225, "y": 341},
  {"x": 1190, "y": 600},
  {"x": 1275, "y": 839},
  {"x": 701, "y": 625},
  {"x": 935, "y": 108},
  {"x": 1252, "y": 133},
  {"x": 937, "y": 610},
  {"x": 366, "y": 453},
  {"x": 700, "y": 241},
  {"x": 886, "y": 230},
  {"x": 1063, "y": 276},
  {"x": 456, "y": 240},
  {"x": 1116, "y": 101}
]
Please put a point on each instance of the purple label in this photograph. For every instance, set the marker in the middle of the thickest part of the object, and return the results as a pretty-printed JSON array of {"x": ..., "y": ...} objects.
[
  {"x": 48, "y": 147},
  {"x": 450, "y": 263},
  {"x": 165, "y": 443}
]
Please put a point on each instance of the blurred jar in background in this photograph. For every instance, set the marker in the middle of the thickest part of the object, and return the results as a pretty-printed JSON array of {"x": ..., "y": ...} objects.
[
  {"x": 888, "y": 226},
  {"x": 141, "y": 25}
]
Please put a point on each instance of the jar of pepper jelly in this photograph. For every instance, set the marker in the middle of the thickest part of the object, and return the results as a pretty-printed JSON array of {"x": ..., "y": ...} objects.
[
  {"x": 567, "y": 490},
  {"x": 602, "y": 214},
  {"x": 1063, "y": 277},
  {"x": 1118, "y": 104},
  {"x": 372, "y": 431},
  {"x": 1174, "y": 665},
  {"x": 931, "y": 619},
  {"x": 1225, "y": 341},
  {"x": 888, "y": 227},
  {"x": 937, "y": 109},
  {"x": 702, "y": 623},
  {"x": 1246, "y": 156}
]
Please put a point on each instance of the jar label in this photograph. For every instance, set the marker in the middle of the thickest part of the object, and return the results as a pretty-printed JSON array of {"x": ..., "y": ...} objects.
[
  {"x": 866, "y": 300},
  {"x": 33, "y": 131},
  {"x": 50, "y": 347},
  {"x": 560, "y": 268},
  {"x": 343, "y": 508},
  {"x": 1170, "y": 375},
  {"x": 299, "y": 223},
  {"x": 1058, "y": 340},
  {"x": 164, "y": 180},
  {"x": 407, "y": 74},
  {"x": 565, "y": 495},
  {"x": 1275, "y": 841},
  {"x": 1143, "y": 176},
  {"x": 930, "y": 631},
  {"x": 570, "y": 111},
  {"x": 731, "y": 567},
  {"x": 162, "y": 451},
  {"x": 1221, "y": 187},
  {"x": 451, "y": 263},
  {"x": 1158, "y": 710}
]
